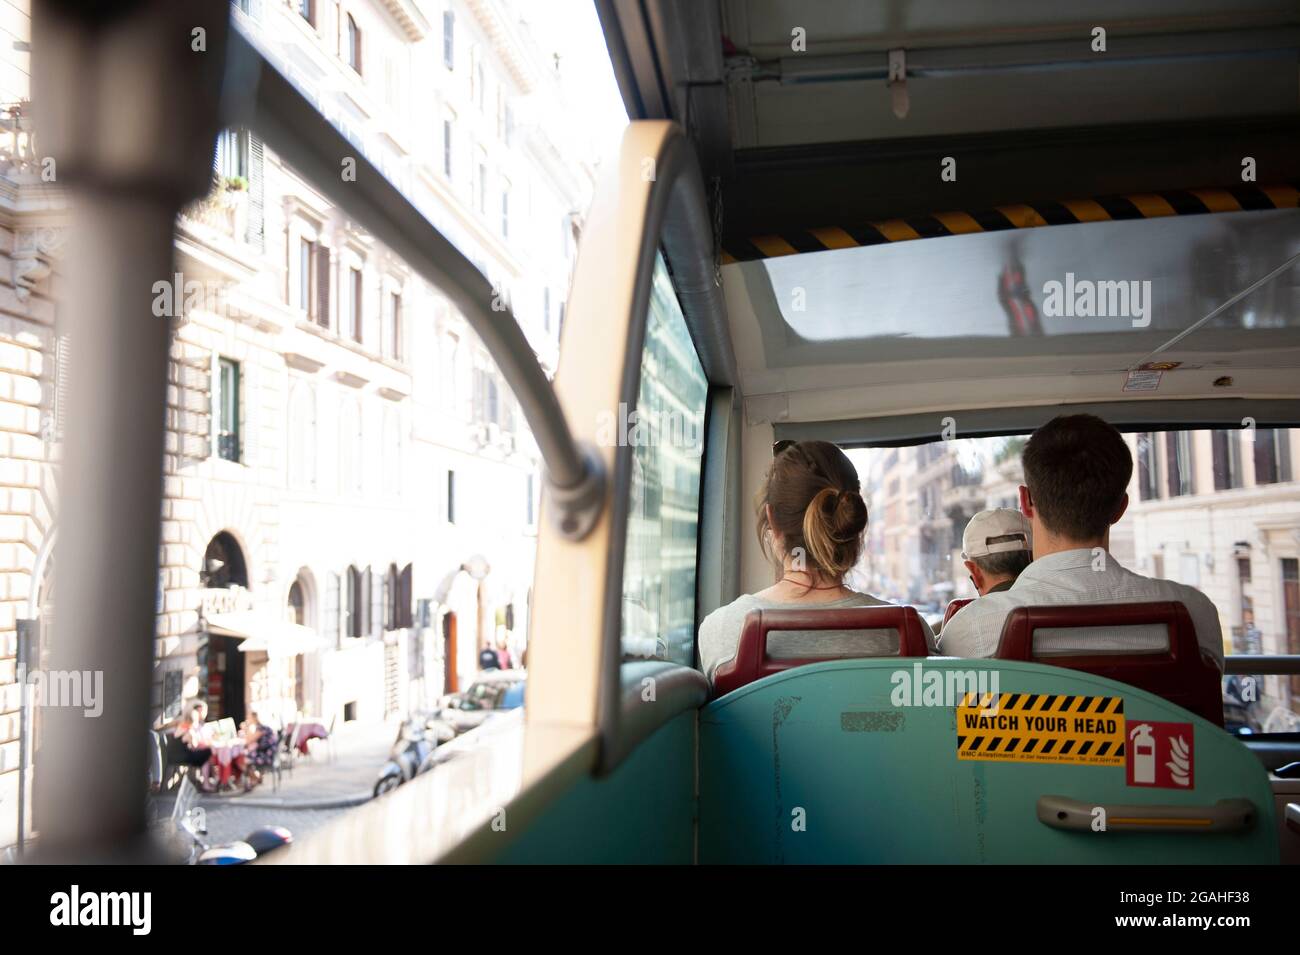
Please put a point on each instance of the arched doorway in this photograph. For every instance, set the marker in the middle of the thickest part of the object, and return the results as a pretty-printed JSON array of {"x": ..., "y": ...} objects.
[
  {"x": 223, "y": 563},
  {"x": 300, "y": 609},
  {"x": 221, "y": 664}
]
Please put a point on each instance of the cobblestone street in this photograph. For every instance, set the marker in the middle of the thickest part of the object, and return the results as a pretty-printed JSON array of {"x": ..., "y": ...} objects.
[{"x": 320, "y": 788}]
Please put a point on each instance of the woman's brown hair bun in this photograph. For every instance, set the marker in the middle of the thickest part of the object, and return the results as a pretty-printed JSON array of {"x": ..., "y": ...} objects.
[{"x": 812, "y": 490}]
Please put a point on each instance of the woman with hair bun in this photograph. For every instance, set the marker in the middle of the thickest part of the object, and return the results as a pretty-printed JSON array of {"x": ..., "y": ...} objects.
[{"x": 811, "y": 522}]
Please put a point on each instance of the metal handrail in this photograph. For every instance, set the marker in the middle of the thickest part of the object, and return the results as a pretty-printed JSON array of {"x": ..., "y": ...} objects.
[
  {"x": 1261, "y": 664},
  {"x": 257, "y": 96}
]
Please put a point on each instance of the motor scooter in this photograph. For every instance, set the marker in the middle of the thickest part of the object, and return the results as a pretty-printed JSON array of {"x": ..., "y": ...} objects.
[
  {"x": 187, "y": 830},
  {"x": 409, "y": 756}
]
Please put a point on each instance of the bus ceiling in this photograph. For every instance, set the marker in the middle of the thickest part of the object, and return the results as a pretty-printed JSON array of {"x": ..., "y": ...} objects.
[
  {"x": 1067, "y": 160},
  {"x": 840, "y": 113}
]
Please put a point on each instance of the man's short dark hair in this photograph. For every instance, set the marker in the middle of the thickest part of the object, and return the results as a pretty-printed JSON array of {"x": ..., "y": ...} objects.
[
  {"x": 1007, "y": 564},
  {"x": 1077, "y": 469}
]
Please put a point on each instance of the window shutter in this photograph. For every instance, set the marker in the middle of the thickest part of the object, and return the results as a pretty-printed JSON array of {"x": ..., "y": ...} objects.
[
  {"x": 404, "y": 616},
  {"x": 355, "y": 612},
  {"x": 322, "y": 285},
  {"x": 376, "y": 603},
  {"x": 256, "y": 194},
  {"x": 390, "y": 598},
  {"x": 363, "y": 600},
  {"x": 59, "y": 409}
]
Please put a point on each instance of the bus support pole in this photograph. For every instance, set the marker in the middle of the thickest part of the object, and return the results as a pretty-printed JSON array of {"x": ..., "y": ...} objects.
[{"x": 126, "y": 103}]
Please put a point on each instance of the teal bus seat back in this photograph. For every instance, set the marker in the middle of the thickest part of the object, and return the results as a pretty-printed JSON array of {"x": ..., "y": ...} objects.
[
  {"x": 643, "y": 812},
  {"x": 823, "y": 765}
]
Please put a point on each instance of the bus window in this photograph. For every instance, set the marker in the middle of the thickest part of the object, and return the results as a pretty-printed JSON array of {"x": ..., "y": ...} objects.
[
  {"x": 666, "y": 431},
  {"x": 1214, "y": 509}
]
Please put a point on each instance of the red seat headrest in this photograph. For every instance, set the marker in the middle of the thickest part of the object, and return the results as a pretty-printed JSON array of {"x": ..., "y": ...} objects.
[
  {"x": 954, "y": 606},
  {"x": 1179, "y": 674},
  {"x": 751, "y": 661}
]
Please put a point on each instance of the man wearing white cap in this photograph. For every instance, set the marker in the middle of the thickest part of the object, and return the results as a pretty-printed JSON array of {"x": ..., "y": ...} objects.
[
  {"x": 996, "y": 547},
  {"x": 1077, "y": 471}
]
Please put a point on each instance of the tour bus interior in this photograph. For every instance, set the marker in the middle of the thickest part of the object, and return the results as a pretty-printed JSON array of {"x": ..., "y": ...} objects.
[{"x": 856, "y": 238}]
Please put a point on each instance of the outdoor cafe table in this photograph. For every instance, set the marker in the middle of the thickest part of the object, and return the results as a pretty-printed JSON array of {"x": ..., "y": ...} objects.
[
  {"x": 311, "y": 729},
  {"x": 225, "y": 753}
]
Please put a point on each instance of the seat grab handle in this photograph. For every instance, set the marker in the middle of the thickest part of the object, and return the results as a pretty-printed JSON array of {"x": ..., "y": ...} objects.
[{"x": 1226, "y": 815}]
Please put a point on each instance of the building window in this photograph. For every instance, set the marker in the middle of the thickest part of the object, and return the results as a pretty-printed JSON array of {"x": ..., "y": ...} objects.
[
  {"x": 530, "y": 504},
  {"x": 223, "y": 564},
  {"x": 1272, "y": 452},
  {"x": 307, "y": 10},
  {"x": 1227, "y": 460},
  {"x": 1178, "y": 462},
  {"x": 482, "y": 188},
  {"x": 449, "y": 39},
  {"x": 355, "y": 302},
  {"x": 392, "y": 593},
  {"x": 314, "y": 281},
  {"x": 546, "y": 309},
  {"x": 354, "y": 44},
  {"x": 228, "y": 410},
  {"x": 392, "y": 453},
  {"x": 302, "y": 437},
  {"x": 509, "y": 124},
  {"x": 1148, "y": 476},
  {"x": 446, "y": 147},
  {"x": 480, "y": 93},
  {"x": 297, "y": 609},
  {"x": 231, "y": 158},
  {"x": 350, "y": 307},
  {"x": 349, "y": 448},
  {"x": 393, "y": 326},
  {"x": 305, "y": 259},
  {"x": 356, "y": 601},
  {"x": 505, "y": 213},
  {"x": 487, "y": 404},
  {"x": 331, "y": 630},
  {"x": 451, "y": 497}
]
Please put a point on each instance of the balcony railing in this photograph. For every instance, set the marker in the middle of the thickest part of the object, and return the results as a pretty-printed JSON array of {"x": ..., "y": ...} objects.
[{"x": 228, "y": 446}]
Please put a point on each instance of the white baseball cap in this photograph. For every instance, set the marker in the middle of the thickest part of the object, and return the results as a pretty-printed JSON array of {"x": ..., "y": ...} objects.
[{"x": 1000, "y": 530}]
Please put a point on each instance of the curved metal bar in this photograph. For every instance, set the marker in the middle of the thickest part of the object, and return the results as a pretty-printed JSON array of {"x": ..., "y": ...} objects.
[
  {"x": 258, "y": 96},
  {"x": 1262, "y": 664}
]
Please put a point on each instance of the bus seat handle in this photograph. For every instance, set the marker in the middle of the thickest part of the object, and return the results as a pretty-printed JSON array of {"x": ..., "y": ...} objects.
[{"x": 1226, "y": 815}]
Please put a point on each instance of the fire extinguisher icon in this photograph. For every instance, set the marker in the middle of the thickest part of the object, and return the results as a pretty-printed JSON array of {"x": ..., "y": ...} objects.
[{"x": 1144, "y": 754}]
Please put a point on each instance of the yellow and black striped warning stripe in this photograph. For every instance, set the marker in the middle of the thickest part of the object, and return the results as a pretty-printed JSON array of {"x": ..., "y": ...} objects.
[
  {"x": 1151, "y": 205},
  {"x": 1041, "y": 728}
]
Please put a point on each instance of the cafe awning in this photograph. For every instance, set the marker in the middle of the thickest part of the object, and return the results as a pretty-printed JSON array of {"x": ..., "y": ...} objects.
[{"x": 265, "y": 633}]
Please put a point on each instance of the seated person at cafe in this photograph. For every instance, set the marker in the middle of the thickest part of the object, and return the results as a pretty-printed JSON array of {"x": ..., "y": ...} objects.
[
  {"x": 1077, "y": 469},
  {"x": 259, "y": 742},
  {"x": 996, "y": 548},
  {"x": 188, "y": 745}
]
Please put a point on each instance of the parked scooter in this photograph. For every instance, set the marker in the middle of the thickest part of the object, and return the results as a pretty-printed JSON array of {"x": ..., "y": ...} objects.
[
  {"x": 409, "y": 757},
  {"x": 188, "y": 824}
]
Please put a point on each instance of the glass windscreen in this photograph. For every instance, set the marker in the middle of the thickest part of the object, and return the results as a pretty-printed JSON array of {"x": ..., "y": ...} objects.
[
  {"x": 666, "y": 432},
  {"x": 1120, "y": 285},
  {"x": 1218, "y": 510}
]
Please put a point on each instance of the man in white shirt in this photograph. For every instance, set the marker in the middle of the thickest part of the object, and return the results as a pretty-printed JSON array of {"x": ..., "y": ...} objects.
[{"x": 1077, "y": 469}]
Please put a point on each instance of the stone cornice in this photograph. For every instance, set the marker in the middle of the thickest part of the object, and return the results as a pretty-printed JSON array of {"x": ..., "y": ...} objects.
[
  {"x": 507, "y": 42},
  {"x": 409, "y": 17}
]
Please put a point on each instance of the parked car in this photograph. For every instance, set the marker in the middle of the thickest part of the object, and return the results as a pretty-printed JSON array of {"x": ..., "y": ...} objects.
[{"x": 493, "y": 692}]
